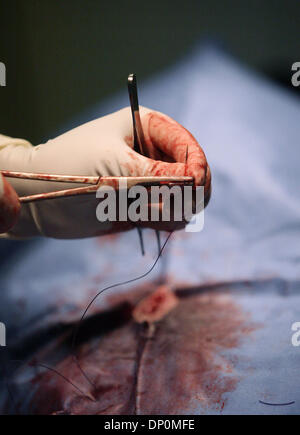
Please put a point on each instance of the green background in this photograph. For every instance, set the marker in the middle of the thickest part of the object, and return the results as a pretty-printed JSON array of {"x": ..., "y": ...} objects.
[{"x": 62, "y": 56}]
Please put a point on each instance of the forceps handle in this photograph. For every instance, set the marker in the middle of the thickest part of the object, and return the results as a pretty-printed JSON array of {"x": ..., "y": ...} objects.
[
  {"x": 138, "y": 134},
  {"x": 139, "y": 139}
]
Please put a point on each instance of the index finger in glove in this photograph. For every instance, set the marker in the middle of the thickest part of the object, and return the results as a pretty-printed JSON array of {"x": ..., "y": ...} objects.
[
  {"x": 164, "y": 136},
  {"x": 9, "y": 205}
]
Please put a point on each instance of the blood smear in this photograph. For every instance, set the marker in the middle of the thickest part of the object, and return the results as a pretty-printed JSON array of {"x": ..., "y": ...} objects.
[{"x": 180, "y": 368}]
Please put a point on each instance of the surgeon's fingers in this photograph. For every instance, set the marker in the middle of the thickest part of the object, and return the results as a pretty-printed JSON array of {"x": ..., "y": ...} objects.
[
  {"x": 165, "y": 136},
  {"x": 9, "y": 205}
]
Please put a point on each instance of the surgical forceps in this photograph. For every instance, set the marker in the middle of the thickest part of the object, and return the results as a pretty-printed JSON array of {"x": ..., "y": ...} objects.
[
  {"x": 139, "y": 141},
  {"x": 93, "y": 183}
]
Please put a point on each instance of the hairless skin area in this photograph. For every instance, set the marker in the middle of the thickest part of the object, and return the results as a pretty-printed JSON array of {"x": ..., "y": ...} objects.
[
  {"x": 156, "y": 306},
  {"x": 154, "y": 351}
]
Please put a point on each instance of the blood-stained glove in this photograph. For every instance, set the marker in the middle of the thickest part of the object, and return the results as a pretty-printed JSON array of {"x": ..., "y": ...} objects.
[
  {"x": 103, "y": 147},
  {"x": 9, "y": 205}
]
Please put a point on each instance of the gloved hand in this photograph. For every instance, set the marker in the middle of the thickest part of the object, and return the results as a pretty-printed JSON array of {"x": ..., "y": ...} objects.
[
  {"x": 9, "y": 205},
  {"x": 102, "y": 147}
]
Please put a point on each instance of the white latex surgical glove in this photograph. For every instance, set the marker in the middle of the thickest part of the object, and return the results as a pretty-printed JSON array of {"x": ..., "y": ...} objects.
[
  {"x": 102, "y": 147},
  {"x": 9, "y": 205}
]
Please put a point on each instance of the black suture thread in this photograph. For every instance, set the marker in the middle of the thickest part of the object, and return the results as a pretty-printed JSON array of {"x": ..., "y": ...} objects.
[
  {"x": 77, "y": 327},
  {"x": 75, "y": 359},
  {"x": 36, "y": 364},
  {"x": 63, "y": 377},
  {"x": 276, "y": 404},
  {"x": 141, "y": 240}
]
